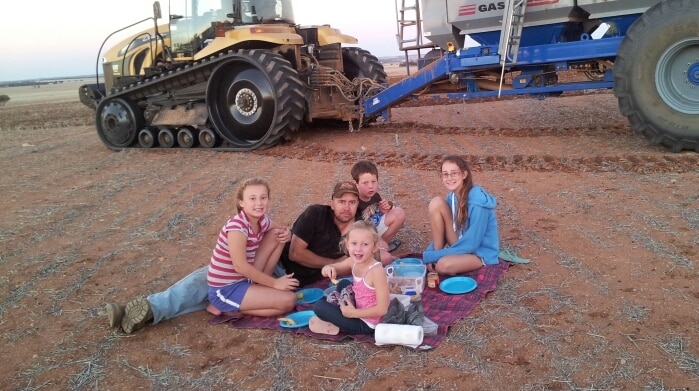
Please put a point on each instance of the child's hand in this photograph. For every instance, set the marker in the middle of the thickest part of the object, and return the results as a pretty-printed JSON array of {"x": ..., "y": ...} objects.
[
  {"x": 385, "y": 206},
  {"x": 283, "y": 235},
  {"x": 329, "y": 271},
  {"x": 348, "y": 309},
  {"x": 286, "y": 283}
]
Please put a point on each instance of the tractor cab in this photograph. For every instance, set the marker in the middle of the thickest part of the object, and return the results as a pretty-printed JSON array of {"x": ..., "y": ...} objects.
[{"x": 195, "y": 23}]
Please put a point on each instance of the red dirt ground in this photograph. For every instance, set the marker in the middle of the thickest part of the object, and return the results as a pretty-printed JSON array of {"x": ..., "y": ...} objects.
[{"x": 609, "y": 302}]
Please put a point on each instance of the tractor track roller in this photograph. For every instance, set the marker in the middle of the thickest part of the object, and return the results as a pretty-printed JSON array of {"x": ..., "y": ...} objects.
[
  {"x": 146, "y": 138},
  {"x": 166, "y": 138},
  {"x": 208, "y": 138},
  {"x": 187, "y": 138}
]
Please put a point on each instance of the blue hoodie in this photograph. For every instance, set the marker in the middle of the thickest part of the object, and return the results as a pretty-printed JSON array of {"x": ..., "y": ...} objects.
[{"x": 479, "y": 234}]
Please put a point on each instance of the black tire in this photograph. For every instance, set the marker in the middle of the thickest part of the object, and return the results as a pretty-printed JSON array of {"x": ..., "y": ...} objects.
[
  {"x": 255, "y": 99},
  {"x": 118, "y": 122},
  {"x": 360, "y": 63},
  {"x": 146, "y": 138},
  {"x": 656, "y": 75},
  {"x": 208, "y": 138},
  {"x": 166, "y": 138},
  {"x": 430, "y": 57},
  {"x": 187, "y": 137}
]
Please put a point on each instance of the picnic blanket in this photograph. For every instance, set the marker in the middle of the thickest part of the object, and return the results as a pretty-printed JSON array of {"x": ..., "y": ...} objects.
[{"x": 443, "y": 309}]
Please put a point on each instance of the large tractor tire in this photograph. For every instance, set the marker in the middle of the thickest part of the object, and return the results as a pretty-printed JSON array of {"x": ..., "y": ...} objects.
[
  {"x": 656, "y": 75},
  {"x": 255, "y": 99},
  {"x": 360, "y": 63},
  {"x": 118, "y": 122}
]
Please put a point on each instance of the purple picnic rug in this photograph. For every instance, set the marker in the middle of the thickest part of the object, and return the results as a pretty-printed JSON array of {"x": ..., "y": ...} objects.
[{"x": 443, "y": 309}]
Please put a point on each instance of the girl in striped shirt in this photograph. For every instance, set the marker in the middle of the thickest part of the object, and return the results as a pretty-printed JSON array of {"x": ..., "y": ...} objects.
[{"x": 247, "y": 250}]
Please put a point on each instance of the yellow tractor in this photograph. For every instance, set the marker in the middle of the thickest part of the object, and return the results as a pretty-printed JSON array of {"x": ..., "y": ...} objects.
[{"x": 231, "y": 75}]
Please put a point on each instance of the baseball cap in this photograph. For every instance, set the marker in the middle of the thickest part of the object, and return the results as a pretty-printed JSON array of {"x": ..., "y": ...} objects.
[{"x": 345, "y": 187}]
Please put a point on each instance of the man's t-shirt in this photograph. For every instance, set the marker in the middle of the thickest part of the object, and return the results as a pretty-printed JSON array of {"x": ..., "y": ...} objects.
[{"x": 315, "y": 226}]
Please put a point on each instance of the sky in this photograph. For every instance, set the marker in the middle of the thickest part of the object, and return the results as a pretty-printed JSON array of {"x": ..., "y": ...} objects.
[{"x": 62, "y": 38}]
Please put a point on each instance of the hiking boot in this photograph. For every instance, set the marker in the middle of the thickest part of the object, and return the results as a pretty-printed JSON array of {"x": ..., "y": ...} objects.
[
  {"x": 136, "y": 314},
  {"x": 115, "y": 312}
]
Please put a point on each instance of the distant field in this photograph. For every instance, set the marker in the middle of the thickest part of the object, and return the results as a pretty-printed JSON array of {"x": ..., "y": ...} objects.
[
  {"x": 63, "y": 92},
  {"x": 68, "y": 90}
]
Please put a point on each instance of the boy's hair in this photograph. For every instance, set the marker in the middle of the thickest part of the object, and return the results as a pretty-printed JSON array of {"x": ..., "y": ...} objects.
[
  {"x": 246, "y": 183},
  {"x": 363, "y": 167}
]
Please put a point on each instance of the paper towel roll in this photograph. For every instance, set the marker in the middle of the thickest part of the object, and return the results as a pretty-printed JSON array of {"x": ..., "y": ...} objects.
[{"x": 398, "y": 334}]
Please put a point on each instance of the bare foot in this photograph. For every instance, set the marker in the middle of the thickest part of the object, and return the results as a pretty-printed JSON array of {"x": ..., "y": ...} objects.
[
  {"x": 319, "y": 326},
  {"x": 213, "y": 310}
]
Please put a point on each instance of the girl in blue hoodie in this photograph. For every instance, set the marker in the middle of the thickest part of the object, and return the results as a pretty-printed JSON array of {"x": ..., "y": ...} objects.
[{"x": 464, "y": 226}]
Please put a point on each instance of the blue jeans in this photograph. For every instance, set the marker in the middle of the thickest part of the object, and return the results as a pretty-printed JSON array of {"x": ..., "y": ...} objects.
[
  {"x": 330, "y": 312},
  {"x": 186, "y": 295}
]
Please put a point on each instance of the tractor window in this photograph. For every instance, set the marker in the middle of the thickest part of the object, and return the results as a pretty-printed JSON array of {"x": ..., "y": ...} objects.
[
  {"x": 190, "y": 20},
  {"x": 265, "y": 11},
  {"x": 215, "y": 10}
]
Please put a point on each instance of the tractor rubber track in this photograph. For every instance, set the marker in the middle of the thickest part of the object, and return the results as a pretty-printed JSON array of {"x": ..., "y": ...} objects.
[
  {"x": 200, "y": 72},
  {"x": 185, "y": 76}
]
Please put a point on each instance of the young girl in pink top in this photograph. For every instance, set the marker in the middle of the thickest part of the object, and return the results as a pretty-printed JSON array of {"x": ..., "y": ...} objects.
[
  {"x": 247, "y": 250},
  {"x": 369, "y": 284}
]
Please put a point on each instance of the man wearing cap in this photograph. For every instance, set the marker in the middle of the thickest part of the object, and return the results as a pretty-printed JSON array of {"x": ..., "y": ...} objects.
[
  {"x": 317, "y": 233},
  {"x": 315, "y": 242}
]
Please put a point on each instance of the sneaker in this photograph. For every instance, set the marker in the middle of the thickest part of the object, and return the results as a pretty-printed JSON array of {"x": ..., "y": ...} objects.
[
  {"x": 333, "y": 298},
  {"x": 136, "y": 314},
  {"x": 115, "y": 312},
  {"x": 347, "y": 295}
]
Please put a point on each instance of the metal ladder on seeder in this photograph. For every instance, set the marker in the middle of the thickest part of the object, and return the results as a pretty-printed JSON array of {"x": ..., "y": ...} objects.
[
  {"x": 409, "y": 34},
  {"x": 510, "y": 35}
]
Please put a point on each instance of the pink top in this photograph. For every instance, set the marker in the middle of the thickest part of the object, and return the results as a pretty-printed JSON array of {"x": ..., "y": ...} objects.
[
  {"x": 365, "y": 296},
  {"x": 221, "y": 270}
]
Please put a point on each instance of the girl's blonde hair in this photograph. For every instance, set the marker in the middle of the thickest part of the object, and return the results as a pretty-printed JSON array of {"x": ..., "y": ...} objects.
[
  {"x": 246, "y": 183},
  {"x": 364, "y": 225}
]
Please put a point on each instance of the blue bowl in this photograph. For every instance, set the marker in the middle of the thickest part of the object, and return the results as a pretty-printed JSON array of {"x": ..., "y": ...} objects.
[
  {"x": 310, "y": 295},
  {"x": 300, "y": 319},
  {"x": 407, "y": 270},
  {"x": 407, "y": 261}
]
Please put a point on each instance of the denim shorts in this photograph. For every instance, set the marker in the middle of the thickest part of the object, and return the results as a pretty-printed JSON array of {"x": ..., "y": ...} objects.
[{"x": 228, "y": 298}]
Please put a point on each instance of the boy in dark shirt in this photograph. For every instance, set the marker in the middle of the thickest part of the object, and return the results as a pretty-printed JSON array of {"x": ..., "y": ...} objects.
[{"x": 385, "y": 215}]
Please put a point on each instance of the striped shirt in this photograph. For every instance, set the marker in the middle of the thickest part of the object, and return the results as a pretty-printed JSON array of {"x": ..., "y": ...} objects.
[{"x": 221, "y": 270}]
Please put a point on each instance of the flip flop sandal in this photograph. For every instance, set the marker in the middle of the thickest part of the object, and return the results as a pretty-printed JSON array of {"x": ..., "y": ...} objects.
[
  {"x": 511, "y": 256},
  {"x": 395, "y": 243}
]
